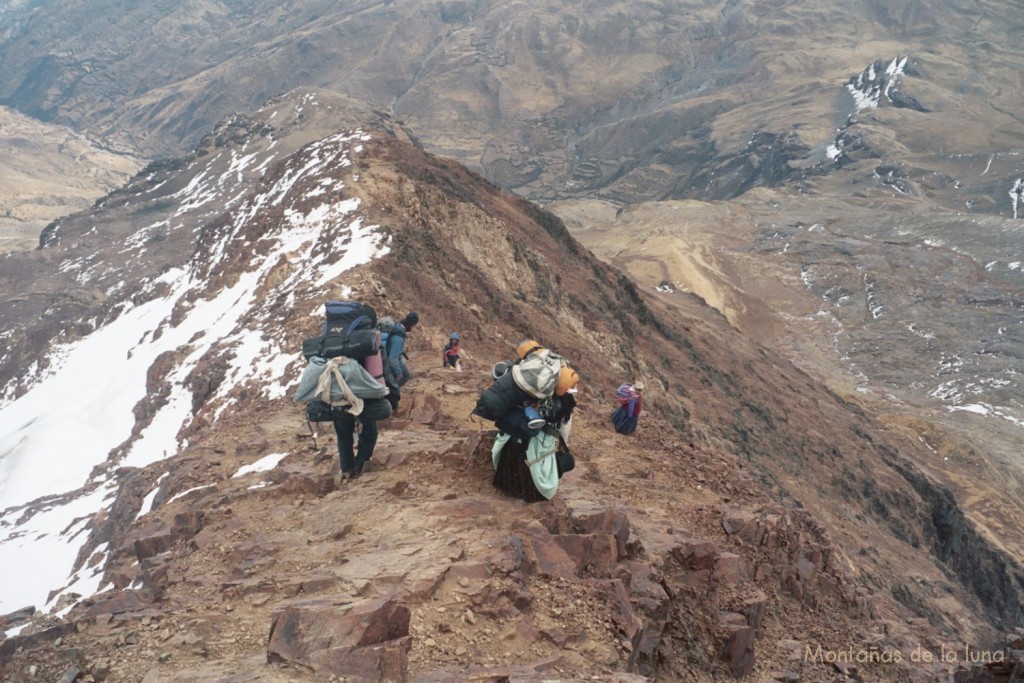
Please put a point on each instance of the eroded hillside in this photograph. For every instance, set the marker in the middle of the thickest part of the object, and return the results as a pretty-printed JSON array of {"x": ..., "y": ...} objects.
[{"x": 47, "y": 172}]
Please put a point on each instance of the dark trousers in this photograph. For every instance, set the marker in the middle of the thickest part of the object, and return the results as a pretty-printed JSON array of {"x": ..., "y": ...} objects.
[{"x": 345, "y": 427}]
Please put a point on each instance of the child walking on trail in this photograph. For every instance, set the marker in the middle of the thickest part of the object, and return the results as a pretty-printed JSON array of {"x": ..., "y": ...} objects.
[{"x": 450, "y": 355}]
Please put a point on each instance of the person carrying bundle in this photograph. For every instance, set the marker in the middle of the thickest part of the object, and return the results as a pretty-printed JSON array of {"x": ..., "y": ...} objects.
[
  {"x": 627, "y": 415},
  {"x": 531, "y": 403}
]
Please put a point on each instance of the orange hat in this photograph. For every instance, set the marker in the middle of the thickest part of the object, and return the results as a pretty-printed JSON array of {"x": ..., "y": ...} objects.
[
  {"x": 567, "y": 379},
  {"x": 526, "y": 346}
]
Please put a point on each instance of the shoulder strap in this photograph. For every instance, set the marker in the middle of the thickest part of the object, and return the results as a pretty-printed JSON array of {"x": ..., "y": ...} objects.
[{"x": 355, "y": 324}]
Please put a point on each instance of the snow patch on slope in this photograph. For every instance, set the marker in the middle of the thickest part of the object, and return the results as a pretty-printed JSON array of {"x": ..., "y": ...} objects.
[
  {"x": 79, "y": 411},
  {"x": 871, "y": 85}
]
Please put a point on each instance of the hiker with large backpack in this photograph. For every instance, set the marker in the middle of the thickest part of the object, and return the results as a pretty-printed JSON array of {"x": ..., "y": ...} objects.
[
  {"x": 627, "y": 415},
  {"x": 393, "y": 336},
  {"x": 344, "y": 383},
  {"x": 531, "y": 403}
]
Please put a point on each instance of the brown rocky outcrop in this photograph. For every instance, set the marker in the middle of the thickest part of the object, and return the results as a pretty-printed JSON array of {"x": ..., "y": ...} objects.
[{"x": 364, "y": 640}]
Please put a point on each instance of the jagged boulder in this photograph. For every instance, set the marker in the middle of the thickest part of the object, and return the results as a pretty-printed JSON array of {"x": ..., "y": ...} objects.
[{"x": 365, "y": 640}]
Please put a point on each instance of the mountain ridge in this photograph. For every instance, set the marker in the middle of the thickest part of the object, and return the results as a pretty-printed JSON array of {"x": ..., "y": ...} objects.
[{"x": 738, "y": 416}]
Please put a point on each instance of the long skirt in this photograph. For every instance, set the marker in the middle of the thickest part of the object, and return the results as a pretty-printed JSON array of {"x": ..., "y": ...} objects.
[
  {"x": 623, "y": 422},
  {"x": 512, "y": 475}
]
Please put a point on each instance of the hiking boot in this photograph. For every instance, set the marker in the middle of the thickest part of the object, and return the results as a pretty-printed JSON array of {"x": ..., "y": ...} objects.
[{"x": 341, "y": 478}]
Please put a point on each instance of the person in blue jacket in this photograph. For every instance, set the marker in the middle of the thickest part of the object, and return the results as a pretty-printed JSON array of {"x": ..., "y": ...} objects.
[{"x": 395, "y": 347}]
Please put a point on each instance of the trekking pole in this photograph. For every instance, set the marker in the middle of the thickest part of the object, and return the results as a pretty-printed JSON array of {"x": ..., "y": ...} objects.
[{"x": 312, "y": 434}]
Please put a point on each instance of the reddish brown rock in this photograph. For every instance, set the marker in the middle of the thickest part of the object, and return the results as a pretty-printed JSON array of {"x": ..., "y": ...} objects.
[
  {"x": 395, "y": 447},
  {"x": 365, "y": 640},
  {"x": 739, "y": 650},
  {"x": 623, "y": 613},
  {"x": 744, "y": 525},
  {"x": 149, "y": 546},
  {"x": 729, "y": 568},
  {"x": 10, "y": 645},
  {"x": 472, "y": 571},
  {"x": 732, "y": 619},
  {"x": 593, "y": 553},
  {"x": 189, "y": 523},
  {"x": 846, "y": 669},
  {"x": 243, "y": 587},
  {"x": 651, "y": 603},
  {"x": 555, "y": 635},
  {"x": 384, "y": 662},
  {"x": 463, "y": 508},
  {"x": 422, "y": 409},
  {"x": 115, "y": 602},
  {"x": 696, "y": 554},
  {"x": 290, "y": 484},
  {"x": 805, "y": 570},
  {"x": 829, "y": 586},
  {"x": 155, "y": 537},
  {"x": 614, "y": 522},
  {"x": 754, "y": 610},
  {"x": 526, "y": 673},
  {"x": 16, "y": 617},
  {"x": 154, "y": 576},
  {"x": 523, "y": 631},
  {"x": 251, "y": 448},
  {"x": 317, "y": 584},
  {"x": 546, "y": 556},
  {"x": 248, "y": 560},
  {"x": 697, "y": 580}
]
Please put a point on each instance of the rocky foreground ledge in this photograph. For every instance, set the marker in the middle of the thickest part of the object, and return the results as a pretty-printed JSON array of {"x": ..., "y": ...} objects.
[{"x": 655, "y": 561}]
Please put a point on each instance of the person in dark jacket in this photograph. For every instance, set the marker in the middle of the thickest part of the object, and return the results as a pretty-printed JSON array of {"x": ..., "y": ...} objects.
[
  {"x": 395, "y": 345},
  {"x": 532, "y": 473},
  {"x": 355, "y": 460},
  {"x": 357, "y": 401}
]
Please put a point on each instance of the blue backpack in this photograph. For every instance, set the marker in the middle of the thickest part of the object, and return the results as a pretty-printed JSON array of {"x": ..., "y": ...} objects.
[
  {"x": 390, "y": 332},
  {"x": 348, "y": 331},
  {"x": 345, "y": 317}
]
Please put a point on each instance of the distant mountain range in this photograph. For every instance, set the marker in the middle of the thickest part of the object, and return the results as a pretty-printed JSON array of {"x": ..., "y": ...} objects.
[{"x": 617, "y": 100}]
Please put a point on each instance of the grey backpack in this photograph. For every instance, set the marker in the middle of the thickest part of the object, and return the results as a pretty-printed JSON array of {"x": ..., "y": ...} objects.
[{"x": 537, "y": 374}]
